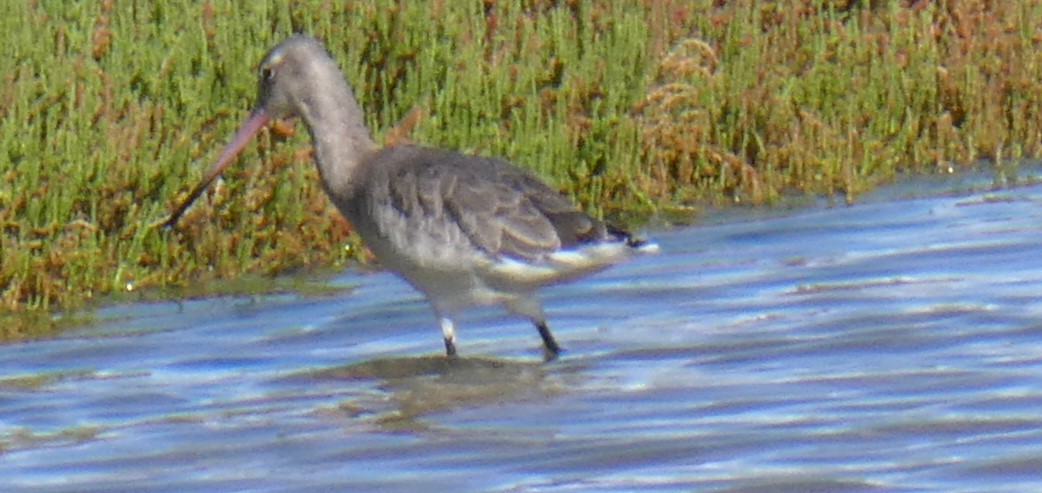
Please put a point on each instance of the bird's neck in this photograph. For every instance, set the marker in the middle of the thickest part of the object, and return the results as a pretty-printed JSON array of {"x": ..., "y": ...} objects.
[{"x": 338, "y": 133}]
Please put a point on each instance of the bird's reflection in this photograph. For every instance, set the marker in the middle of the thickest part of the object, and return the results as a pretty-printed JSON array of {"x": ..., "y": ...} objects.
[{"x": 415, "y": 387}]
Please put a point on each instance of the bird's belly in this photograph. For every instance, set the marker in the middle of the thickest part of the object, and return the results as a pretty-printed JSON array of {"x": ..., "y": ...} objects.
[
  {"x": 450, "y": 285},
  {"x": 446, "y": 268}
]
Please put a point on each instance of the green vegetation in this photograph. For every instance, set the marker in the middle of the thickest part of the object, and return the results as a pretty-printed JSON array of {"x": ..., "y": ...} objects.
[{"x": 110, "y": 112}]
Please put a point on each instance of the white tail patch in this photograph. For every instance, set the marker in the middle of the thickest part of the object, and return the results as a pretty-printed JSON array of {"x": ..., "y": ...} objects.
[
  {"x": 647, "y": 248},
  {"x": 566, "y": 264}
]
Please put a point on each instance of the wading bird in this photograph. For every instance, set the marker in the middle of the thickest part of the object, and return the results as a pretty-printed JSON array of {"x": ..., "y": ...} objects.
[{"x": 464, "y": 230}]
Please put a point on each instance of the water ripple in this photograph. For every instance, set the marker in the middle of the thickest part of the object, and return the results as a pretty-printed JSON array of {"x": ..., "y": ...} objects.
[{"x": 889, "y": 346}]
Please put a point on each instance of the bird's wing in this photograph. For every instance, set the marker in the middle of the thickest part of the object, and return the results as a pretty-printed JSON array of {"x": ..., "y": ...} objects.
[{"x": 498, "y": 208}]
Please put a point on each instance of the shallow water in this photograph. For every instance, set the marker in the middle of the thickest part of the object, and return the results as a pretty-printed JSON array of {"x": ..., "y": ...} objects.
[{"x": 895, "y": 345}]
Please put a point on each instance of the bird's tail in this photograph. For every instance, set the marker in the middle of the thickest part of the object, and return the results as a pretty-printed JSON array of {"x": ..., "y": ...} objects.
[{"x": 636, "y": 243}]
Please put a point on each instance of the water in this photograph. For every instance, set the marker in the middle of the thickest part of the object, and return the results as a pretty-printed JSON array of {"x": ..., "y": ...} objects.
[{"x": 895, "y": 345}]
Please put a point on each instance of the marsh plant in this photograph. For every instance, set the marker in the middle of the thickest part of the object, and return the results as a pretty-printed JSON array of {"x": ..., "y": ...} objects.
[{"x": 109, "y": 112}]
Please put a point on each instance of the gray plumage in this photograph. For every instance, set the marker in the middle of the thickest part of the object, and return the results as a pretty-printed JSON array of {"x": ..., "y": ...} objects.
[
  {"x": 497, "y": 208},
  {"x": 465, "y": 230}
]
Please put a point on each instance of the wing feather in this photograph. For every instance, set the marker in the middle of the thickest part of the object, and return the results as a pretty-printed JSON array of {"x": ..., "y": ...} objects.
[{"x": 499, "y": 208}]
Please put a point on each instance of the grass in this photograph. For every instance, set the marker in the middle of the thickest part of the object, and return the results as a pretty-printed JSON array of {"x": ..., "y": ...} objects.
[{"x": 110, "y": 111}]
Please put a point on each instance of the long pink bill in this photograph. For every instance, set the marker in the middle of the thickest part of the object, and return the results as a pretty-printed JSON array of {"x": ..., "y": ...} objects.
[{"x": 253, "y": 124}]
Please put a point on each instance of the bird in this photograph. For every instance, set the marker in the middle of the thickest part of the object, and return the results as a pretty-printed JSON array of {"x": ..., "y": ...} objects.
[{"x": 464, "y": 230}]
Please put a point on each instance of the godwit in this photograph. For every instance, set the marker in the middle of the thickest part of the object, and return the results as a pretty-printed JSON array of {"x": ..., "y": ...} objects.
[{"x": 464, "y": 230}]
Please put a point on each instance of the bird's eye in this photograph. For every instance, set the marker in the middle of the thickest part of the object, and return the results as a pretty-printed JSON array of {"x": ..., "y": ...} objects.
[{"x": 267, "y": 73}]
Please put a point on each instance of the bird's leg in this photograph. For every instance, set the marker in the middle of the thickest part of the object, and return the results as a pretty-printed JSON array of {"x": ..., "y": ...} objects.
[
  {"x": 528, "y": 306},
  {"x": 448, "y": 330},
  {"x": 550, "y": 347}
]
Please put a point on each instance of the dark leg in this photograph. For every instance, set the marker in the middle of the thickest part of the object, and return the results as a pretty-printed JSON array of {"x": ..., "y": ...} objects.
[
  {"x": 450, "y": 348},
  {"x": 550, "y": 347},
  {"x": 448, "y": 330}
]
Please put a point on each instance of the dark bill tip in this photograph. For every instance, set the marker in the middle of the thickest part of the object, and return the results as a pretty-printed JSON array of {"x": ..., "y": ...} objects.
[{"x": 258, "y": 118}]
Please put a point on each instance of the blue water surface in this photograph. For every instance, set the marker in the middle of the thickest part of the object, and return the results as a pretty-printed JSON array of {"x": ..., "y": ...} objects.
[{"x": 893, "y": 345}]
